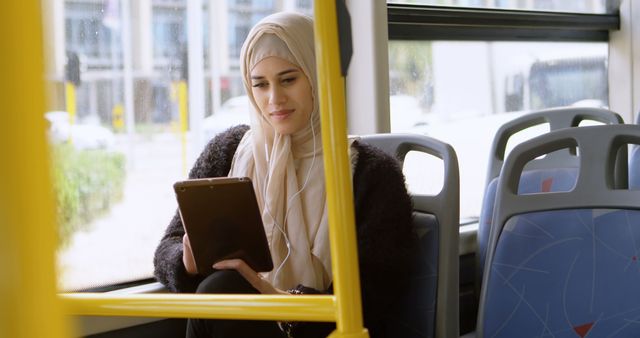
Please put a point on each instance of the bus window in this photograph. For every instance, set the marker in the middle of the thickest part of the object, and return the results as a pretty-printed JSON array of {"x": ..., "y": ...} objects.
[
  {"x": 461, "y": 92},
  {"x": 118, "y": 128}
]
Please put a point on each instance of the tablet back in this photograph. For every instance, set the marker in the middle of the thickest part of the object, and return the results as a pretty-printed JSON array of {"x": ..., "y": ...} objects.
[{"x": 222, "y": 219}]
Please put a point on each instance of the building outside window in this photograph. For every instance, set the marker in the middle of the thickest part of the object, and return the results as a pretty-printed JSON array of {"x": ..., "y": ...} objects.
[{"x": 115, "y": 166}]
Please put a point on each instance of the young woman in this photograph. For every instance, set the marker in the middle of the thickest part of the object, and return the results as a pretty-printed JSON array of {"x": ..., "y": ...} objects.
[{"x": 282, "y": 153}]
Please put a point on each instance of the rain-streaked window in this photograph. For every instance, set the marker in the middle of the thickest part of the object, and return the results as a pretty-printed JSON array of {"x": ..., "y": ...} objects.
[{"x": 119, "y": 133}]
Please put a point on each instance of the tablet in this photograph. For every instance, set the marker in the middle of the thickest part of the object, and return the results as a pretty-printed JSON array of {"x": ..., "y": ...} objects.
[{"x": 222, "y": 219}]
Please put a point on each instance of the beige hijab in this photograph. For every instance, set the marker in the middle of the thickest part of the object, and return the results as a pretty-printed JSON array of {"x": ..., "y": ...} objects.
[{"x": 287, "y": 170}]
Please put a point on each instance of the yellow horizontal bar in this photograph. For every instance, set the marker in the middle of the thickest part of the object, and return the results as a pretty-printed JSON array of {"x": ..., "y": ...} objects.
[{"x": 257, "y": 307}]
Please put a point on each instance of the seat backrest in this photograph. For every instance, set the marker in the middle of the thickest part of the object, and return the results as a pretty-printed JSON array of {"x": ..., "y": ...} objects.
[
  {"x": 557, "y": 118},
  {"x": 554, "y": 172},
  {"x": 428, "y": 307},
  {"x": 565, "y": 264}
]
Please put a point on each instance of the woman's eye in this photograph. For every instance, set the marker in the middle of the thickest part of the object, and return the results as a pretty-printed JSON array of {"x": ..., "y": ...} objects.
[
  {"x": 289, "y": 80},
  {"x": 259, "y": 85}
]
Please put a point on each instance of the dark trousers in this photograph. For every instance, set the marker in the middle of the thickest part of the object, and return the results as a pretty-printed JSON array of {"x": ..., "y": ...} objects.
[{"x": 230, "y": 281}]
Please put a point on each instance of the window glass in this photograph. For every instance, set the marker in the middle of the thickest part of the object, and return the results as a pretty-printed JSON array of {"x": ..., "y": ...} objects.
[
  {"x": 86, "y": 34},
  {"x": 462, "y": 92},
  {"x": 413, "y": 170},
  {"x": 583, "y": 6},
  {"x": 168, "y": 33},
  {"x": 118, "y": 135}
]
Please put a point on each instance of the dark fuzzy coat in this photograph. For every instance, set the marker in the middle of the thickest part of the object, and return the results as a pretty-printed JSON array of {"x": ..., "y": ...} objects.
[{"x": 383, "y": 210}]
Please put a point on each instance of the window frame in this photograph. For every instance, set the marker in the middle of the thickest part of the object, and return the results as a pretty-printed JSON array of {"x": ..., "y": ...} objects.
[{"x": 427, "y": 22}]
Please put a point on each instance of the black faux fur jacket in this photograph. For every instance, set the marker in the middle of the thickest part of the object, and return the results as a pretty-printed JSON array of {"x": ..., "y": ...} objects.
[{"x": 383, "y": 210}]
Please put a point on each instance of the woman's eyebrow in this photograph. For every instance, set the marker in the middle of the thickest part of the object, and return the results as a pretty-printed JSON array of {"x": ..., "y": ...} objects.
[
  {"x": 286, "y": 71},
  {"x": 292, "y": 70}
]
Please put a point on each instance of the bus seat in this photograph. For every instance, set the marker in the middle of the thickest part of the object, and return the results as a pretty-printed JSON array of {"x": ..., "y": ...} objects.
[
  {"x": 565, "y": 264},
  {"x": 428, "y": 307},
  {"x": 634, "y": 164},
  {"x": 531, "y": 181},
  {"x": 546, "y": 177}
]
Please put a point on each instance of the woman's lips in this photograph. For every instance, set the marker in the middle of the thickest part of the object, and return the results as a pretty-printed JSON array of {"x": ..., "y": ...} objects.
[{"x": 281, "y": 114}]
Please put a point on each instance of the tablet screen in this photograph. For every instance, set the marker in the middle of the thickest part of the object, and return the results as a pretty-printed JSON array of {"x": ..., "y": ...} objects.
[{"x": 222, "y": 219}]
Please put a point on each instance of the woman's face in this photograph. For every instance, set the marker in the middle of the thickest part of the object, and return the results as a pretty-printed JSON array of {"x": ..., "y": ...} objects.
[{"x": 283, "y": 94}]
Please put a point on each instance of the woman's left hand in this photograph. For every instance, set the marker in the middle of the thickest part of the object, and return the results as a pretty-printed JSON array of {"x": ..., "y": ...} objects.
[{"x": 255, "y": 279}]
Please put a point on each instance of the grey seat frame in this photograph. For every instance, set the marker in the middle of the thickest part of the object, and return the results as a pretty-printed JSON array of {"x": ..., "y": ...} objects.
[
  {"x": 595, "y": 186},
  {"x": 445, "y": 206},
  {"x": 557, "y": 118}
]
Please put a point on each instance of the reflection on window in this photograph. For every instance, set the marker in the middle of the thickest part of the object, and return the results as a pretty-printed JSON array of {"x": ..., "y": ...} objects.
[
  {"x": 462, "y": 92},
  {"x": 582, "y": 6},
  {"x": 114, "y": 165}
]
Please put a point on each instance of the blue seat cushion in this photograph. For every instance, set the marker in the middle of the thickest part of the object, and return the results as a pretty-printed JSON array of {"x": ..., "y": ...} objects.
[
  {"x": 531, "y": 181},
  {"x": 413, "y": 314},
  {"x": 566, "y": 273}
]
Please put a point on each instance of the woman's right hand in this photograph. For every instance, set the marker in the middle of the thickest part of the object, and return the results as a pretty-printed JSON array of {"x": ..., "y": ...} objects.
[{"x": 187, "y": 256}]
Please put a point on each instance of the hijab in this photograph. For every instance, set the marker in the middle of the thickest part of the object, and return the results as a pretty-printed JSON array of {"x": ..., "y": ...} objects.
[{"x": 287, "y": 170}]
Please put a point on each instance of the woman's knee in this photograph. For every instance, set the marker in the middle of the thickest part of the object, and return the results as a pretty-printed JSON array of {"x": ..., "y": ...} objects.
[{"x": 225, "y": 281}]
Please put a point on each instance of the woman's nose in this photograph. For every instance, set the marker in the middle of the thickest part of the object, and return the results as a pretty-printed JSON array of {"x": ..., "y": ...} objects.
[{"x": 276, "y": 96}]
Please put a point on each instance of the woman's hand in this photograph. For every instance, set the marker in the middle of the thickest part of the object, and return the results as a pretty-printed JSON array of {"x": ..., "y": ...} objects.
[
  {"x": 187, "y": 256},
  {"x": 255, "y": 279}
]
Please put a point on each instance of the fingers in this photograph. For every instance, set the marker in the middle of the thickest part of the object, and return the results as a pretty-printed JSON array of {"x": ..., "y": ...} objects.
[
  {"x": 242, "y": 268},
  {"x": 187, "y": 256},
  {"x": 254, "y": 278}
]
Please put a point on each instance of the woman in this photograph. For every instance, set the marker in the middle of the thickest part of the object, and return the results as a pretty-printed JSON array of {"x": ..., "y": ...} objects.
[{"x": 282, "y": 153}]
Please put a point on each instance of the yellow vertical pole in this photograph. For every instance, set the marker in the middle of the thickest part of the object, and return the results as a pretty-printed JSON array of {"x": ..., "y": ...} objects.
[
  {"x": 182, "y": 108},
  {"x": 70, "y": 98},
  {"x": 28, "y": 303},
  {"x": 338, "y": 174}
]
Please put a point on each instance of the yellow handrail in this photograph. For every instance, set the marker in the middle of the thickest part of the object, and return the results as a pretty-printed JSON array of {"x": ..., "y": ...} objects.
[
  {"x": 344, "y": 307},
  {"x": 28, "y": 303},
  {"x": 262, "y": 307}
]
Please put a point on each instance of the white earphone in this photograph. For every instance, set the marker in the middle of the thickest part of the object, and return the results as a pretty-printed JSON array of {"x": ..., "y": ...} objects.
[{"x": 282, "y": 228}]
